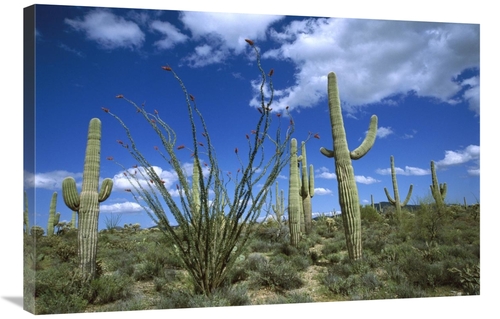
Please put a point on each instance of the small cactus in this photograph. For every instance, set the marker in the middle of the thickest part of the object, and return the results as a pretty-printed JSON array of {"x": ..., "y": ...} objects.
[
  {"x": 53, "y": 216},
  {"x": 438, "y": 191},
  {"x": 306, "y": 189},
  {"x": 395, "y": 202}
]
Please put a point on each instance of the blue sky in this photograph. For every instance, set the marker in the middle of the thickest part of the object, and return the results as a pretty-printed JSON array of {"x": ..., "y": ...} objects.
[{"x": 421, "y": 79}]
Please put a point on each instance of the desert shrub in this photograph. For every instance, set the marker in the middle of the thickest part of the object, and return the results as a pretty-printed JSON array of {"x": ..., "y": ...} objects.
[
  {"x": 148, "y": 270},
  {"x": 370, "y": 215},
  {"x": 111, "y": 288},
  {"x": 55, "y": 302},
  {"x": 278, "y": 275},
  {"x": 469, "y": 278},
  {"x": 406, "y": 290},
  {"x": 255, "y": 261},
  {"x": 288, "y": 298}
]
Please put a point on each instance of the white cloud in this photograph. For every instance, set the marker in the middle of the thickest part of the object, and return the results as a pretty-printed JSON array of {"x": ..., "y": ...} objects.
[
  {"x": 172, "y": 35},
  {"x": 223, "y": 34},
  {"x": 324, "y": 172},
  {"x": 126, "y": 207},
  {"x": 374, "y": 59},
  {"x": 50, "y": 180},
  {"x": 408, "y": 171},
  {"x": 109, "y": 30},
  {"x": 366, "y": 180},
  {"x": 470, "y": 153},
  {"x": 384, "y": 132},
  {"x": 322, "y": 191}
]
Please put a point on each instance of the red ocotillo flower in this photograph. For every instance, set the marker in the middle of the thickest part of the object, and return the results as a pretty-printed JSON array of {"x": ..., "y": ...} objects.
[
  {"x": 316, "y": 136},
  {"x": 124, "y": 173},
  {"x": 201, "y": 144},
  {"x": 236, "y": 150},
  {"x": 156, "y": 112},
  {"x": 249, "y": 42},
  {"x": 135, "y": 166},
  {"x": 248, "y": 137},
  {"x": 180, "y": 147},
  {"x": 271, "y": 72},
  {"x": 119, "y": 96},
  {"x": 109, "y": 158},
  {"x": 105, "y": 109},
  {"x": 191, "y": 97},
  {"x": 119, "y": 142},
  {"x": 278, "y": 114},
  {"x": 287, "y": 107},
  {"x": 166, "y": 68},
  {"x": 156, "y": 147},
  {"x": 128, "y": 190},
  {"x": 253, "y": 131}
]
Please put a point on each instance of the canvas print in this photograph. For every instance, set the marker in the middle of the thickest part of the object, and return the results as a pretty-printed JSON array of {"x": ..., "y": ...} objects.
[{"x": 188, "y": 159}]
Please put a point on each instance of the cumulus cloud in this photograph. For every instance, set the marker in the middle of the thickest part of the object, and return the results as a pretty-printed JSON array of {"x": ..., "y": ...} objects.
[
  {"x": 366, "y": 180},
  {"x": 109, "y": 30},
  {"x": 375, "y": 60},
  {"x": 325, "y": 173},
  {"x": 322, "y": 191},
  {"x": 125, "y": 207},
  {"x": 171, "y": 35},
  {"x": 408, "y": 171},
  {"x": 50, "y": 180},
  {"x": 470, "y": 153},
  {"x": 223, "y": 34},
  {"x": 384, "y": 132}
]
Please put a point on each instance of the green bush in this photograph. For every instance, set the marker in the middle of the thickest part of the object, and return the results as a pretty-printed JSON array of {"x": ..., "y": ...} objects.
[
  {"x": 279, "y": 275},
  {"x": 111, "y": 288}
]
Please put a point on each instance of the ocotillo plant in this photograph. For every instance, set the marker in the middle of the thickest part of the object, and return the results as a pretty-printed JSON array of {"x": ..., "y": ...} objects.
[
  {"x": 395, "y": 202},
  {"x": 438, "y": 191},
  {"x": 53, "y": 217},
  {"x": 26, "y": 219},
  {"x": 306, "y": 189},
  {"x": 87, "y": 202},
  {"x": 348, "y": 191},
  {"x": 294, "y": 204},
  {"x": 211, "y": 244}
]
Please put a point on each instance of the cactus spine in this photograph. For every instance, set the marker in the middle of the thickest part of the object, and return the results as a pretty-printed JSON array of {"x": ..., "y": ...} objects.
[
  {"x": 53, "y": 216},
  {"x": 306, "y": 189},
  {"x": 348, "y": 191},
  {"x": 395, "y": 202},
  {"x": 87, "y": 203},
  {"x": 293, "y": 196},
  {"x": 26, "y": 220},
  {"x": 438, "y": 190}
]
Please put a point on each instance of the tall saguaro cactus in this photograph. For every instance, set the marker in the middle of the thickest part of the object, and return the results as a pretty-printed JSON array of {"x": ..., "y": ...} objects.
[
  {"x": 395, "y": 202},
  {"x": 306, "y": 189},
  {"x": 279, "y": 207},
  {"x": 293, "y": 196},
  {"x": 438, "y": 191},
  {"x": 87, "y": 202},
  {"x": 348, "y": 191}
]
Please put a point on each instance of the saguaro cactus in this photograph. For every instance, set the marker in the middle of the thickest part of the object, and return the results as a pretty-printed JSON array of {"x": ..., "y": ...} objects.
[
  {"x": 87, "y": 203},
  {"x": 348, "y": 191},
  {"x": 279, "y": 207},
  {"x": 26, "y": 220},
  {"x": 438, "y": 190},
  {"x": 53, "y": 216},
  {"x": 306, "y": 189},
  {"x": 293, "y": 196},
  {"x": 395, "y": 202}
]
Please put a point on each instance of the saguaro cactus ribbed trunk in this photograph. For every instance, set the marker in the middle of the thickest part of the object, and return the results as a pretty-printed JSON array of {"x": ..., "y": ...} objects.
[
  {"x": 348, "y": 191},
  {"x": 87, "y": 203},
  {"x": 306, "y": 189},
  {"x": 293, "y": 196},
  {"x": 53, "y": 218},
  {"x": 395, "y": 202}
]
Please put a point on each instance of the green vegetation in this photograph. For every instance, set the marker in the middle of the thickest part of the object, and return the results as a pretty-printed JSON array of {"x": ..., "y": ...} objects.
[{"x": 139, "y": 270}]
